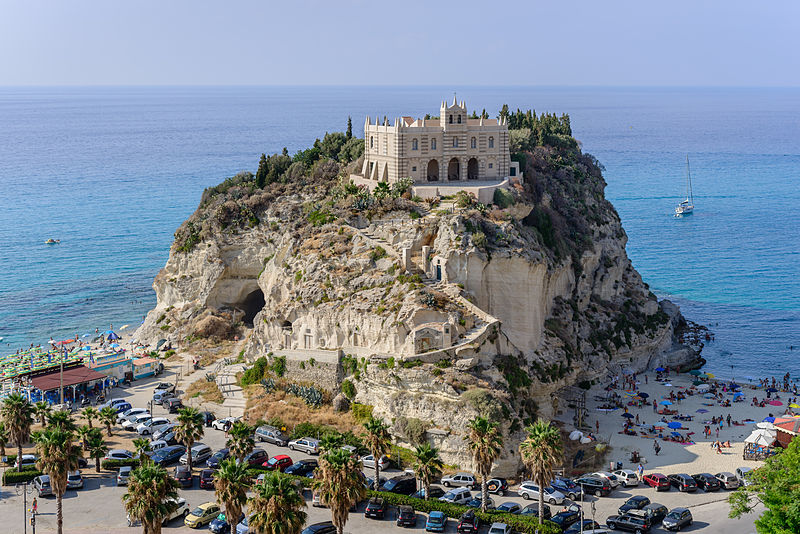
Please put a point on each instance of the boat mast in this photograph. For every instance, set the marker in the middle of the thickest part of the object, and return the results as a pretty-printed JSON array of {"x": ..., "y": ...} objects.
[{"x": 689, "y": 195}]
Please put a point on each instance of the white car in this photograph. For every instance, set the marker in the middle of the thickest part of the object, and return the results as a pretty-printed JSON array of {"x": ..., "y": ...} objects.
[
  {"x": 181, "y": 510},
  {"x": 459, "y": 479},
  {"x": 224, "y": 424},
  {"x": 118, "y": 454},
  {"x": 605, "y": 475},
  {"x": 369, "y": 462},
  {"x": 743, "y": 475},
  {"x": 134, "y": 422},
  {"x": 127, "y": 414},
  {"x": 627, "y": 477},
  {"x": 457, "y": 496},
  {"x": 529, "y": 490},
  {"x": 499, "y": 528},
  {"x": 152, "y": 425},
  {"x": 74, "y": 480}
]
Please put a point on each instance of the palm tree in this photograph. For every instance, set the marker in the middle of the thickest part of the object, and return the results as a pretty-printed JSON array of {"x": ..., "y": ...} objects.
[
  {"x": 142, "y": 446},
  {"x": 4, "y": 437},
  {"x": 16, "y": 411},
  {"x": 61, "y": 419},
  {"x": 378, "y": 442},
  {"x": 151, "y": 496},
  {"x": 240, "y": 440},
  {"x": 330, "y": 441},
  {"x": 231, "y": 483},
  {"x": 96, "y": 446},
  {"x": 90, "y": 413},
  {"x": 189, "y": 429},
  {"x": 340, "y": 484},
  {"x": 57, "y": 457},
  {"x": 41, "y": 410},
  {"x": 427, "y": 465},
  {"x": 83, "y": 432},
  {"x": 108, "y": 417},
  {"x": 485, "y": 443},
  {"x": 277, "y": 506},
  {"x": 541, "y": 452}
]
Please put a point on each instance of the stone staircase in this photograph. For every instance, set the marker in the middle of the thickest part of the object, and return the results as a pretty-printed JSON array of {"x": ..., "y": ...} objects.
[{"x": 233, "y": 393}]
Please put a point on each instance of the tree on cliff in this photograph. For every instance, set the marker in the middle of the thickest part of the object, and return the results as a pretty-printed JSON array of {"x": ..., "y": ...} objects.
[
  {"x": 377, "y": 441},
  {"x": 261, "y": 173},
  {"x": 17, "y": 414},
  {"x": 541, "y": 452},
  {"x": 776, "y": 485},
  {"x": 349, "y": 132},
  {"x": 485, "y": 443}
]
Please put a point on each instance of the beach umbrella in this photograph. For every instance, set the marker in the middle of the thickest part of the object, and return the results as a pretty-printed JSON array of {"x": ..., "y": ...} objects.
[
  {"x": 114, "y": 345},
  {"x": 738, "y": 394},
  {"x": 771, "y": 390},
  {"x": 660, "y": 369},
  {"x": 709, "y": 375},
  {"x": 703, "y": 387},
  {"x": 585, "y": 440},
  {"x": 123, "y": 327},
  {"x": 766, "y": 425},
  {"x": 776, "y": 403},
  {"x": 674, "y": 424},
  {"x": 768, "y": 420},
  {"x": 697, "y": 383},
  {"x": 709, "y": 396},
  {"x": 112, "y": 336},
  {"x": 696, "y": 372},
  {"x": 575, "y": 435},
  {"x": 793, "y": 405},
  {"x": 676, "y": 434},
  {"x": 645, "y": 395},
  {"x": 627, "y": 415},
  {"x": 666, "y": 403},
  {"x": 702, "y": 410},
  {"x": 668, "y": 385}
]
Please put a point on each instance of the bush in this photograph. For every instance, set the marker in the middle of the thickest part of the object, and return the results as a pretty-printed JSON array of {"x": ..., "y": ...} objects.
[
  {"x": 479, "y": 240},
  {"x": 116, "y": 464},
  {"x": 503, "y": 198},
  {"x": 255, "y": 373},
  {"x": 377, "y": 253},
  {"x": 14, "y": 477},
  {"x": 361, "y": 412},
  {"x": 348, "y": 389},
  {"x": 412, "y": 428},
  {"x": 279, "y": 366},
  {"x": 309, "y": 429}
]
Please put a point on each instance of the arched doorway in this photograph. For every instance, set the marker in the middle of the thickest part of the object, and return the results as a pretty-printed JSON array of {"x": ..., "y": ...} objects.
[
  {"x": 454, "y": 170},
  {"x": 472, "y": 169},
  {"x": 433, "y": 171}
]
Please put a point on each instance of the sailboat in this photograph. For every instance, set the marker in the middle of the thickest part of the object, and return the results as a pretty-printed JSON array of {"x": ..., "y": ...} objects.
[{"x": 686, "y": 207}]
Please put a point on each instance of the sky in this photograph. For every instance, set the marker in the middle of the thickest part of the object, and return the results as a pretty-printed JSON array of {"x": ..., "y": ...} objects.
[{"x": 410, "y": 42}]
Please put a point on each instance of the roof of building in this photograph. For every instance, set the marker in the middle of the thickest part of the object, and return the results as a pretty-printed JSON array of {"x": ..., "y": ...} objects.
[
  {"x": 76, "y": 375},
  {"x": 788, "y": 424},
  {"x": 143, "y": 361}
]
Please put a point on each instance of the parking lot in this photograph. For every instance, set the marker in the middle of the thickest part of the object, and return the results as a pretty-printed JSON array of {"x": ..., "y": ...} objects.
[{"x": 98, "y": 507}]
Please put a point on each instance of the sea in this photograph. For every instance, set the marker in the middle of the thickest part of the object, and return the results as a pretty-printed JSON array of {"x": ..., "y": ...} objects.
[{"x": 112, "y": 172}]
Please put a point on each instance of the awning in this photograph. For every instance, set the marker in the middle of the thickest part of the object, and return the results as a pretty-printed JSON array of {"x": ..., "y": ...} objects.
[
  {"x": 138, "y": 362},
  {"x": 73, "y": 376}
]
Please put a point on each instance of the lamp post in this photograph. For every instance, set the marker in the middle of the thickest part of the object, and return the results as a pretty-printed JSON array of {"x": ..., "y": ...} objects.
[{"x": 24, "y": 489}]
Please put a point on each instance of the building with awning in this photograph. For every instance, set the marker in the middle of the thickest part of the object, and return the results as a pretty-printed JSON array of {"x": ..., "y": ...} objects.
[
  {"x": 72, "y": 377},
  {"x": 787, "y": 429},
  {"x": 144, "y": 367}
]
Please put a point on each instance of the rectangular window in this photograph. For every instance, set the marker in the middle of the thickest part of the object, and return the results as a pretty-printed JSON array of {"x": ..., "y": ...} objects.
[
  {"x": 433, "y": 144},
  {"x": 491, "y": 165},
  {"x": 413, "y": 169}
]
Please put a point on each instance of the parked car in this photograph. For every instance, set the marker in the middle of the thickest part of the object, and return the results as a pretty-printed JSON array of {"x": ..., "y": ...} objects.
[
  {"x": 499, "y": 528},
  {"x": 368, "y": 462},
  {"x": 477, "y": 502},
  {"x": 706, "y": 481},
  {"x": 224, "y": 424},
  {"x": 612, "y": 479},
  {"x": 401, "y": 484},
  {"x": 28, "y": 461},
  {"x": 42, "y": 485},
  {"x": 243, "y": 527},
  {"x": 256, "y": 457},
  {"x": 302, "y": 468},
  {"x": 207, "y": 479},
  {"x": 533, "y": 510},
  {"x": 208, "y": 418},
  {"x": 528, "y": 490},
  {"x": 123, "y": 475},
  {"x": 437, "y": 522},
  {"x": 677, "y": 518},
  {"x": 637, "y": 502},
  {"x": 683, "y": 482},
  {"x": 134, "y": 421},
  {"x": 273, "y": 435},
  {"x": 127, "y": 414},
  {"x": 498, "y": 486},
  {"x": 509, "y": 507},
  {"x": 184, "y": 476},
  {"x": 594, "y": 486},
  {"x": 220, "y": 525},
  {"x": 727, "y": 480},
  {"x": 457, "y": 496},
  {"x": 156, "y": 445},
  {"x": 743, "y": 475},
  {"x": 468, "y": 523},
  {"x": 165, "y": 386},
  {"x": 118, "y": 454},
  {"x": 152, "y": 425},
  {"x": 122, "y": 407},
  {"x": 307, "y": 445},
  {"x": 163, "y": 433},
  {"x": 202, "y": 515},
  {"x": 436, "y": 492},
  {"x": 588, "y": 526},
  {"x": 113, "y": 403},
  {"x": 173, "y": 405},
  {"x": 459, "y": 480},
  {"x": 278, "y": 463},
  {"x": 406, "y": 517},
  {"x": 161, "y": 395},
  {"x": 658, "y": 481},
  {"x": 200, "y": 453},
  {"x": 627, "y": 477},
  {"x": 74, "y": 480},
  {"x": 179, "y": 509},
  {"x": 633, "y": 521},
  {"x": 567, "y": 487},
  {"x": 320, "y": 528},
  {"x": 655, "y": 512},
  {"x": 566, "y": 519},
  {"x": 168, "y": 455},
  {"x": 376, "y": 508},
  {"x": 215, "y": 459}
]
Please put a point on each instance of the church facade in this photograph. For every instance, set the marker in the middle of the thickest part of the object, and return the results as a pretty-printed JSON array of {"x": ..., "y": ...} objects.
[{"x": 450, "y": 148}]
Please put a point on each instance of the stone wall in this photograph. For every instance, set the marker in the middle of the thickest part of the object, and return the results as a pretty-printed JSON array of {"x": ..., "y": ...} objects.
[{"x": 321, "y": 367}]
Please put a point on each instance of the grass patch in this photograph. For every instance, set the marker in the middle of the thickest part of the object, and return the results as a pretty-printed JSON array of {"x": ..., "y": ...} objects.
[{"x": 208, "y": 391}]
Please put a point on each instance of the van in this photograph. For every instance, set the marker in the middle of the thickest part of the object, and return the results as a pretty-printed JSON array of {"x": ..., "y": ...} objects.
[
  {"x": 200, "y": 453},
  {"x": 157, "y": 444},
  {"x": 457, "y": 496},
  {"x": 270, "y": 434}
]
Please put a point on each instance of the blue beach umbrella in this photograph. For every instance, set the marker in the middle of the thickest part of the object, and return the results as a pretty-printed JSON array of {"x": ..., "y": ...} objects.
[
  {"x": 676, "y": 434},
  {"x": 702, "y": 410},
  {"x": 660, "y": 369},
  {"x": 643, "y": 395},
  {"x": 666, "y": 403},
  {"x": 738, "y": 394},
  {"x": 627, "y": 415},
  {"x": 768, "y": 420},
  {"x": 771, "y": 390},
  {"x": 674, "y": 424}
]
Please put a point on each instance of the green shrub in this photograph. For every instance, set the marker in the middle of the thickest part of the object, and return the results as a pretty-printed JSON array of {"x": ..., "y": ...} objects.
[
  {"x": 116, "y": 464},
  {"x": 377, "y": 253},
  {"x": 348, "y": 389},
  {"x": 412, "y": 428},
  {"x": 503, "y": 198},
  {"x": 14, "y": 477},
  {"x": 254, "y": 374},
  {"x": 279, "y": 366},
  {"x": 170, "y": 352},
  {"x": 361, "y": 412}
]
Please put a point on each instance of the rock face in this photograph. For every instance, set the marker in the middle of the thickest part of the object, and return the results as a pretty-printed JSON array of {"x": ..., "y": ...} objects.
[{"x": 434, "y": 319}]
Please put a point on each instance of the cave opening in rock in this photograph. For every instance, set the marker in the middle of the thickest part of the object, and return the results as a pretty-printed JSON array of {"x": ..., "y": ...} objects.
[{"x": 251, "y": 305}]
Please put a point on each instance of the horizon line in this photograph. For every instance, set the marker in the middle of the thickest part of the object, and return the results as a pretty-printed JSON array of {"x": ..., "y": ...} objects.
[{"x": 389, "y": 86}]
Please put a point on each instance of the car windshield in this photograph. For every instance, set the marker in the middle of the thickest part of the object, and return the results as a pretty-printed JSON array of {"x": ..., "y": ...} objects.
[
  {"x": 674, "y": 515},
  {"x": 198, "y": 511}
]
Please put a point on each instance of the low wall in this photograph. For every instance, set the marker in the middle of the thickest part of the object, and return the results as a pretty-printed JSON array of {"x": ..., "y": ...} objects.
[
  {"x": 320, "y": 367},
  {"x": 484, "y": 192}
]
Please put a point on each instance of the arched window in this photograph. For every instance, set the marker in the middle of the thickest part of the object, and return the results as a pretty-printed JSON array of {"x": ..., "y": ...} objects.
[
  {"x": 455, "y": 142},
  {"x": 451, "y": 119},
  {"x": 459, "y": 119},
  {"x": 371, "y": 142},
  {"x": 414, "y": 144},
  {"x": 433, "y": 144},
  {"x": 491, "y": 142},
  {"x": 473, "y": 143}
]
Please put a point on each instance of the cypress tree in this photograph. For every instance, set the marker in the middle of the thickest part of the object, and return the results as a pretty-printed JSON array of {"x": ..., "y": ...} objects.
[
  {"x": 261, "y": 174},
  {"x": 349, "y": 128}
]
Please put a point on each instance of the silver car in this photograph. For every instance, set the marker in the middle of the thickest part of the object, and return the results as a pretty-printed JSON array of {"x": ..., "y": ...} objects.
[
  {"x": 42, "y": 485},
  {"x": 727, "y": 480},
  {"x": 459, "y": 479},
  {"x": 307, "y": 445},
  {"x": 74, "y": 480},
  {"x": 123, "y": 475}
]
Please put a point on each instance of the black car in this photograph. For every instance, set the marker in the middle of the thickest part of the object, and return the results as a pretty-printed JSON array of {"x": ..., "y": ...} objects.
[
  {"x": 402, "y": 484},
  {"x": 533, "y": 510},
  {"x": 208, "y": 418},
  {"x": 173, "y": 405},
  {"x": 594, "y": 486},
  {"x": 217, "y": 457},
  {"x": 655, "y": 512},
  {"x": 376, "y": 507},
  {"x": 510, "y": 508},
  {"x": 683, "y": 482},
  {"x": 677, "y": 518},
  {"x": 320, "y": 528},
  {"x": 302, "y": 468},
  {"x": 567, "y": 487},
  {"x": 436, "y": 492},
  {"x": 633, "y": 521},
  {"x": 588, "y": 524},
  {"x": 566, "y": 519},
  {"x": 498, "y": 486},
  {"x": 637, "y": 502},
  {"x": 168, "y": 455},
  {"x": 183, "y": 474},
  {"x": 476, "y": 502},
  {"x": 706, "y": 481},
  {"x": 469, "y": 522},
  {"x": 406, "y": 516},
  {"x": 207, "y": 479}
]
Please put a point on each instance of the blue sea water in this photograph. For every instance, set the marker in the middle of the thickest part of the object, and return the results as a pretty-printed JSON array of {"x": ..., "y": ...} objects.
[{"x": 112, "y": 172}]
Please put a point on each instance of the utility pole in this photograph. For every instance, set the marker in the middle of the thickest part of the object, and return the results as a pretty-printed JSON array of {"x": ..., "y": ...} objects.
[{"x": 61, "y": 387}]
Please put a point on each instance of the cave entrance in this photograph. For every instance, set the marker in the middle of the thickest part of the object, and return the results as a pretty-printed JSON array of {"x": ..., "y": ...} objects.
[{"x": 252, "y": 304}]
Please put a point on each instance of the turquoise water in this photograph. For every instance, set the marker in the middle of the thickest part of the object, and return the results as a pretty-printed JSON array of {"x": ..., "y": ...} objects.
[{"x": 112, "y": 172}]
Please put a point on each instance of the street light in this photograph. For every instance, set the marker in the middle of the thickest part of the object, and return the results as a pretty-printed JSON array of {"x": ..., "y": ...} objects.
[{"x": 24, "y": 489}]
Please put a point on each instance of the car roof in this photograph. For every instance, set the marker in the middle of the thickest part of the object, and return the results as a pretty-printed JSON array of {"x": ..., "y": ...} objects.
[
  {"x": 637, "y": 498},
  {"x": 641, "y": 513},
  {"x": 679, "y": 509},
  {"x": 436, "y": 513},
  {"x": 207, "y": 505}
]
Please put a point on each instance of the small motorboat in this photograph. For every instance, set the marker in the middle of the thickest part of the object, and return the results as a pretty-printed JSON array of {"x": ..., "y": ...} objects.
[{"x": 52, "y": 241}]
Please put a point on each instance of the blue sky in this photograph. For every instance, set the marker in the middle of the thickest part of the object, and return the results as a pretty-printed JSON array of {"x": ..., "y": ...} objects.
[{"x": 296, "y": 42}]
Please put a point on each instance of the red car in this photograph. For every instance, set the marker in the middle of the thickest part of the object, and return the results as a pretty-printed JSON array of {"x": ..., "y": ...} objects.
[
  {"x": 278, "y": 463},
  {"x": 658, "y": 481},
  {"x": 207, "y": 479}
]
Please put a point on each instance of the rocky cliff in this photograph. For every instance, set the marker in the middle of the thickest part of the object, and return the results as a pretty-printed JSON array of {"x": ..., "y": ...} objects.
[{"x": 436, "y": 313}]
